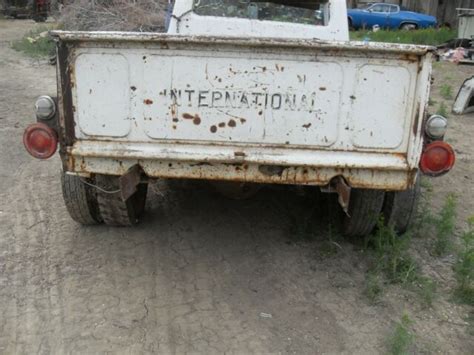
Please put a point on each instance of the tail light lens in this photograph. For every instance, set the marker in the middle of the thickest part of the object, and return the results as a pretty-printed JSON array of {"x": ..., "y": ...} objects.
[
  {"x": 40, "y": 141},
  {"x": 438, "y": 158}
]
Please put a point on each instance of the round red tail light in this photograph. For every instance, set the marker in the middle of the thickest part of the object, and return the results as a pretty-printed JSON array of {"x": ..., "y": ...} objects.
[
  {"x": 438, "y": 158},
  {"x": 40, "y": 141}
]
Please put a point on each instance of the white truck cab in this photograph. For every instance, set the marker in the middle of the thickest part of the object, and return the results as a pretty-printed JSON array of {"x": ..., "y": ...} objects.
[
  {"x": 324, "y": 19},
  {"x": 242, "y": 93}
]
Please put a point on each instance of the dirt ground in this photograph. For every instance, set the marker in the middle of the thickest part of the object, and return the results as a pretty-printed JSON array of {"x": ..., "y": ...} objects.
[{"x": 201, "y": 274}]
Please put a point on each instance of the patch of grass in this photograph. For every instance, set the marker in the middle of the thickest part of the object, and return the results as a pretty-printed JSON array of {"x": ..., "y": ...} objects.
[
  {"x": 446, "y": 91},
  {"x": 444, "y": 226},
  {"x": 464, "y": 268},
  {"x": 392, "y": 255},
  {"x": 394, "y": 264},
  {"x": 432, "y": 37},
  {"x": 402, "y": 337},
  {"x": 426, "y": 290},
  {"x": 36, "y": 43},
  {"x": 442, "y": 110},
  {"x": 373, "y": 286}
]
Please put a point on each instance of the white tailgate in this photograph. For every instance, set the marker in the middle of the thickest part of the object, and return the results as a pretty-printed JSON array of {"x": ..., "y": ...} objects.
[{"x": 277, "y": 98}]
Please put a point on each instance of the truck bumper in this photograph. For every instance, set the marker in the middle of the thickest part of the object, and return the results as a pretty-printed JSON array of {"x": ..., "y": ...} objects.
[{"x": 255, "y": 164}]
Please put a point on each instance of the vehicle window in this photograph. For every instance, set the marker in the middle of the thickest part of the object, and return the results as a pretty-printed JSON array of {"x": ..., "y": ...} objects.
[
  {"x": 380, "y": 8},
  {"x": 305, "y": 12},
  {"x": 393, "y": 8}
]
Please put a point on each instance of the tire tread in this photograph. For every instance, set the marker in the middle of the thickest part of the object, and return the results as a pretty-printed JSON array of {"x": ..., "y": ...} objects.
[{"x": 80, "y": 200}]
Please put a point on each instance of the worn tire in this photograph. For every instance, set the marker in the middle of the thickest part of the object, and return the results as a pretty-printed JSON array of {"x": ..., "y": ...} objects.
[
  {"x": 81, "y": 200},
  {"x": 400, "y": 207},
  {"x": 365, "y": 208},
  {"x": 115, "y": 211}
]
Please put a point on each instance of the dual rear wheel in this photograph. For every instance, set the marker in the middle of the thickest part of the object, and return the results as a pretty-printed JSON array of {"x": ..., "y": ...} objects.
[
  {"x": 99, "y": 200},
  {"x": 367, "y": 206}
]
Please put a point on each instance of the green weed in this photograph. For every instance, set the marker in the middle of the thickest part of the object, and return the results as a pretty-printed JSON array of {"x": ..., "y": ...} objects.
[
  {"x": 442, "y": 110},
  {"x": 444, "y": 227},
  {"x": 394, "y": 264},
  {"x": 426, "y": 290},
  {"x": 431, "y": 102},
  {"x": 373, "y": 286},
  {"x": 402, "y": 337},
  {"x": 36, "y": 43},
  {"x": 446, "y": 91},
  {"x": 464, "y": 268},
  {"x": 392, "y": 255},
  {"x": 432, "y": 37}
]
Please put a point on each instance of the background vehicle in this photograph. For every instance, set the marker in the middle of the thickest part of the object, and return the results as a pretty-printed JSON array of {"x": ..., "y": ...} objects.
[
  {"x": 388, "y": 16},
  {"x": 38, "y": 10},
  {"x": 226, "y": 96}
]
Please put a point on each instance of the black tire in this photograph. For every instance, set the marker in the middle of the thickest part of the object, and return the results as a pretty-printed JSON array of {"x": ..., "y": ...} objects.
[
  {"x": 80, "y": 199},
  {"x": 114, "y": 210},
  {"x": 365, "y": 208},
  {"x": 400, "y": 207}
]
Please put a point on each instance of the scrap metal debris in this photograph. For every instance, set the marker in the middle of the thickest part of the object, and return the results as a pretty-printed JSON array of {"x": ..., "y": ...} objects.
[{"x": 465, "y": 100}]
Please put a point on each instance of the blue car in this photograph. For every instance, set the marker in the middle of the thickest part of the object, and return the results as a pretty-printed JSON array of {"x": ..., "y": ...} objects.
[{"x": 388, "y": 16}]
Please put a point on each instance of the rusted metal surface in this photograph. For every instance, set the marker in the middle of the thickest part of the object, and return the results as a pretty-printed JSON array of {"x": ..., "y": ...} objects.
[
  {"x": 396, "y": 180},
  {"x": 340, "y": 186},
  {"x": 129, "y": 182},
  {"x": 282, "y": 111},
  {"x": 165, "y": 41}
]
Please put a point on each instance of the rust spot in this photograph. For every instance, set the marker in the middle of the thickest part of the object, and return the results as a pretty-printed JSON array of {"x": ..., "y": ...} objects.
[
  {"x": 232, "y": 123},
  {"x": 174, "y": 127},
  {"x": 144, "y": 57},
  {"x": 73, "y": 108},
  {"x": 264, "y": 69},
  {"x": 243, "y": 120},
  {"x": 222, "y": 124},
  {"x": 175, "y": 120},
  {"x": 219, "y": 80},
  {"x": 133, "y": 88},
  {"x": 307, "y": 126},
  {"x": 148, "y": 102},
  {"x": 213, "y": 129},
  {"x": 322, "y": 88},
  {"x": 412, "y": 58},
  {"x": 353, "y": 97},
  {"x": 239, "y": 154},
  {"x": 196, "y": 119},
  {"x": 260, "y": 112}
]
